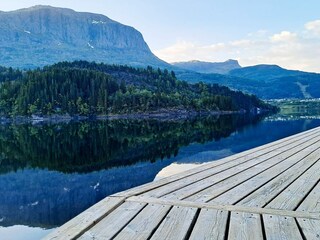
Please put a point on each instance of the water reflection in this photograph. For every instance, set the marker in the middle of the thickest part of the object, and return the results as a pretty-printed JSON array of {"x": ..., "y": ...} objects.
[
  {"x": 84, "y": 147},
  {"x": 52, "y": 172}
]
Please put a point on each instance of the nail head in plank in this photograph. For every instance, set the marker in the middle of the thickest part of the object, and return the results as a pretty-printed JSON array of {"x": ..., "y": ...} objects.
[
  {"x": 281, "y": 228},
  {"x": 211, "y": 224},
  {"x": 310, "y": 228},
  {"x": 245, "y": 226}
]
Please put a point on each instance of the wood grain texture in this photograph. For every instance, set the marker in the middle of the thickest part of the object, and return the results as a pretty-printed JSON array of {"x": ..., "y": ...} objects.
[
  {"x": 241, "y": 163},
  {"x": 310, "y": 228},
  {"x": 241, "y": 178},
  {"x": 176, "y": 224},
  {"x": 241, "y": 191},
  {"x": 245, "y": 226},
  {"x": 272, "y": 189},
  {"x": 226, "y": 207},
  {"x": 78, "y": 225},
  {"x": 108, "y": 227},
  {"x": 312, "y": 202},
  {"x": 291, "y": 197},
  {"x": 211, "y": 224},
  {"x": 142, "y": 226},
  {"x": 281, "y": 228}
]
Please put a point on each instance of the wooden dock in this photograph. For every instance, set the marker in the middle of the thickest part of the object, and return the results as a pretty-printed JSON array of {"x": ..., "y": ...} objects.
[{"x": 270, "y": 192}]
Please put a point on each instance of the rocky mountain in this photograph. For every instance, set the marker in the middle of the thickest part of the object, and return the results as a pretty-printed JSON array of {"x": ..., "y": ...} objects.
[
  {"x": 42, "y": 35},
  {"x": 209, "y": 67}
]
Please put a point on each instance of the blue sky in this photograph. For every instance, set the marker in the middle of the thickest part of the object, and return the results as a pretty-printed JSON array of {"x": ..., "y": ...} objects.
[{"x": 283, "y": 32}]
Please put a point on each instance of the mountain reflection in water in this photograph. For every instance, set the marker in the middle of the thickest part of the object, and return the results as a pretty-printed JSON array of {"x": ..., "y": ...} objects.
[{"x": 52, "y": 172}]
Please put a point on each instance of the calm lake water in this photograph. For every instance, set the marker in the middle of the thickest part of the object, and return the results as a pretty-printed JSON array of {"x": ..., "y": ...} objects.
[{"x": 49, "y": 173}]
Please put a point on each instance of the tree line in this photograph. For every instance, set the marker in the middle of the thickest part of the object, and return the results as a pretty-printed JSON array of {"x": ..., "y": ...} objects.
[{"x": 84, "y": 88}]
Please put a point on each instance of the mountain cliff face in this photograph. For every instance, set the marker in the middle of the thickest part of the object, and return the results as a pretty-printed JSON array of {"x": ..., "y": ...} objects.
[
  {"x": 209, "y": 67},
  {"x": 42, "y": 35}
]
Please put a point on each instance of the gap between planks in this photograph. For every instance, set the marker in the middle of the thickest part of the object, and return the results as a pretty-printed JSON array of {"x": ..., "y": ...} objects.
[{"x": 226, "y": 207}]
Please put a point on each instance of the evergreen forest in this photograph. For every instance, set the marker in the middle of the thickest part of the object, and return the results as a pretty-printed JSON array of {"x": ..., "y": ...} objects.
[{"x": 88, "y": 88}]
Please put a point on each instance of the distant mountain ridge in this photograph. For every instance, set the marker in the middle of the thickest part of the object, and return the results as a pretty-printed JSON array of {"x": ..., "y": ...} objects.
[
  {"x": 42, "y": 35},
  {"x": 263, "y": 71},
  {"x": 265, "y": 81},
  {"x": 209, "y": 67}
]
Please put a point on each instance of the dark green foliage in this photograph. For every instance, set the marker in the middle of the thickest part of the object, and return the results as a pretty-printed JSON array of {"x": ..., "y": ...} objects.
[
  {"x": 9, "y": 74},
  {"x": 83, "y": 88},
  {"x": 88, "y": 146}
]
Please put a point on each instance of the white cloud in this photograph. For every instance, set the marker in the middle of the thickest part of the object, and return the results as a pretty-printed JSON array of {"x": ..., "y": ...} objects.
[
  {"x": 313, "y": 27},
  {"x": 185, "y": 51},
  {"x": 292, "y": 50},
  {"x": 284, "y": 36}
]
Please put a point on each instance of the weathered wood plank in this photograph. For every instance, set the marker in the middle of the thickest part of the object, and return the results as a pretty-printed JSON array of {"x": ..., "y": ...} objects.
[
  {"x": 312, "y": 202},
  {"x": 145, "y": 223},
  {"x": 281, "y": 228},
  {"x": 205, "y": 178},
  {"x": 236, "y": 181},
  {"x": 237, "y": 193},
  {"x": 225, "y": 207},
  {"x": 245, "y": 226},
  {"x": 108, "y": 227},
  {"x": 211, "y": 224},
  {"x": 207, "y": 189},
  {"x": 291, "y": 197},
  {"x": 84, "y": 221},
  {"x": 247, "y": 154},
  {"x": 267, "y": 192},
  {"x": 176, "y": 224},
  {"x": 310, "y": 228}
]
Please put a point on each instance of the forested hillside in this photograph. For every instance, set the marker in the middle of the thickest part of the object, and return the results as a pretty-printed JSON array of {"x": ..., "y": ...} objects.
[
  {"x": 83, "y": 88},
  {"x": 264, "y": 81}
]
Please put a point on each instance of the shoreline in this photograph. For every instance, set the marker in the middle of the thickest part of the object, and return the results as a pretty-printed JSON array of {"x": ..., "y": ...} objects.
[{"x": 156, "y": 115}]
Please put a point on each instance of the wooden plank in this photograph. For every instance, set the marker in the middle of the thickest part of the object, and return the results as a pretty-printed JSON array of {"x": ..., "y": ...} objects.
[
  {"x": 204, "y": 178},
  {"x": 292, "y": 196},
  {"x": 237, "y": 180},
  {"x": 211, "y": 224},
  {"x": 84, "y": 221},
  {"x": 145, "y": 223},
  {"x": 281, "y": 228},
  {"x": 245, "y": 226},
  {"x": 237, "y": 193},
  {"x": 312, "y": 202},
  {"x": 247, "y": 154},
  {"x": 310, "y": 228},
  {"x": 176, "y": 224},
  {"x": 108, "y": 227},
  {"x": 272, "y": 189},
  {"x": 225, "y": 207}
]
